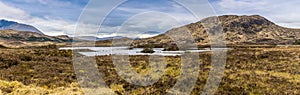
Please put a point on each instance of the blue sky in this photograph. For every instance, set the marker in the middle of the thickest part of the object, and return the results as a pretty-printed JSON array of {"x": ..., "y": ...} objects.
[
  {"x": 136, "y": 18},
  {"x": 58, "y": 9}
]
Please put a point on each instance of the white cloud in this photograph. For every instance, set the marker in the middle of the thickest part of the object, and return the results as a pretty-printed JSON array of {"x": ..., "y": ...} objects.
[
  {"x": 57, "y": 3},
  {"x": 47, "y": 26},
  {"x": 11, "y": 12},
  {"x": 144, "y": 19},
  {"x": 242, "y": 5},
  {"x": 177, "y": 11},
  {"x": 139, "y": 25},
  {"x": 281, "y": 12},
  {"x": 52, "y": 26},
  {"x": 134, "y": 27}
]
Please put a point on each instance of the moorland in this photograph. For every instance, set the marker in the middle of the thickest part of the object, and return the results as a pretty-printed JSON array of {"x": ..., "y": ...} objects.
[{"x": 264, "y": 59}]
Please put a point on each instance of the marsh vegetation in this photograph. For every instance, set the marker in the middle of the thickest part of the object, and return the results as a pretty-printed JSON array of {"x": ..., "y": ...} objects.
[{"x": 248, "y": 71}]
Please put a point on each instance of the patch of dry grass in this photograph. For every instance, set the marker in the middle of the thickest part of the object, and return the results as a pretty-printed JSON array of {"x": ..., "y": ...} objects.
[{"x": 17, "y": 88}]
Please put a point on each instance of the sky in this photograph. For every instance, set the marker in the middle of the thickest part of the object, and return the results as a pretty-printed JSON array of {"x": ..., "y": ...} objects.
[{"x": 137, "y": 18}]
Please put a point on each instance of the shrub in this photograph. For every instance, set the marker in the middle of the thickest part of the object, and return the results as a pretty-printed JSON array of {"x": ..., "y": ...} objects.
[
  {"x": 170, "y": 48},
  {"x": 297, "y": 42},
  {"x": 147, "y": 50},
  {"x": 51, "y": 46},
  {"x": 9, "y": 63},
  {"x": 1, "y": 46},
  {"x": 25, "y": 58}
]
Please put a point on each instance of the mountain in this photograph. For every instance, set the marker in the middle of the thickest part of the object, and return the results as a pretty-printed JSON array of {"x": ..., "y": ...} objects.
[
  {"x": 4, "y": 25},
  {"x": 13, "y": 35},
  {"x": 87, "y": 38},
  {"x": 110, "y": 38},
  {"x": 16, "y": 39},
  {"x": 93, "y": 38},
  {"x": 238, "y": 30},
  {"x": 152, "y": 32}
]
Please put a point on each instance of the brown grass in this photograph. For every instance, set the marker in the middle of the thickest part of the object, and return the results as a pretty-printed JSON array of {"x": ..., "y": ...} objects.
[{"x": 248, "y": 71}]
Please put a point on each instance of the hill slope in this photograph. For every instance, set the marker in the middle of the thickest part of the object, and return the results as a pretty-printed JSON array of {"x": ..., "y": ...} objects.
[
  {"x": 12, "y": 35},
  {"x": 4, "y": 25},
  {"x": 13, "y": 38},
  {"x": 238, "y": 30}
]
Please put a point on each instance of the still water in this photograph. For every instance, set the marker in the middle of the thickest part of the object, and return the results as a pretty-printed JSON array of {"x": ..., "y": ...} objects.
[{"x": 101, "y": 51}]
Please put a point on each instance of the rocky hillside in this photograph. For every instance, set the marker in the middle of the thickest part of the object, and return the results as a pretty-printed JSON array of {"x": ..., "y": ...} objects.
[
  {"x": 5, "y": 25},
  {"x": 238, "y": 30},
  {"x": 13, "y": 38},
  {"x": 13, "y": 35}
]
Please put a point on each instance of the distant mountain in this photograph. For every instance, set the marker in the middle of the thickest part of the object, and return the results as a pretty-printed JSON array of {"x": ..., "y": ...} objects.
[
  {"x": 87, "y": 38},
  {"x": 93, "y": 38},
  {"x": 5, "y": 24},
  {"x": 16, "y": 39},
  {"x": 152, "y": 32},
  {"x": 238, "y": 30},
  {"x": 13, "y": 35},
  {"x": 110, "y": 38}
]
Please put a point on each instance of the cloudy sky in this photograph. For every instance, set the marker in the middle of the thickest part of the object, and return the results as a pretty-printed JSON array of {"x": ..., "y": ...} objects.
[{"x": 136, "y": 18}]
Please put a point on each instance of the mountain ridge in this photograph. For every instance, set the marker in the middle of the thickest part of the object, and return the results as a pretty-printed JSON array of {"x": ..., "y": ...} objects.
[
  {"x": 17, "y": 39},
  {"x": 94, "y": 38},
  {"x": 238, "y": 30},
  {"x": 13, "y": 35},
  {"x": 5, "y": 25}
]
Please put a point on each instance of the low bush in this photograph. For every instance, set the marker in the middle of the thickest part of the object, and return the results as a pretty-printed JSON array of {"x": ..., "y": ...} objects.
[
  {"x": 147, "y": 50},
  {"x": 1, "y": 46},
  {"x": 8, "y": 63},
  {"x": 170, "y": 48},
  {"x": 297, "y": 42},
  {"x": 25, "y": 58}
]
